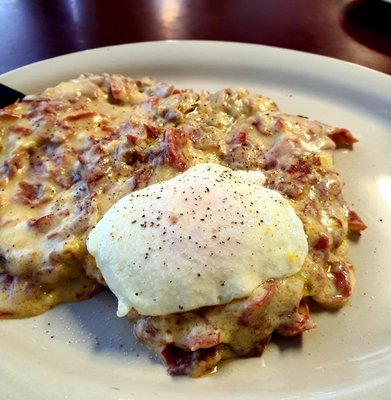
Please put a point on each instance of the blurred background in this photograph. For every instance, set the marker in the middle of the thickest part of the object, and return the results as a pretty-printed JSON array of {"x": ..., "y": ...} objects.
[{"x": 357, "y": 31}]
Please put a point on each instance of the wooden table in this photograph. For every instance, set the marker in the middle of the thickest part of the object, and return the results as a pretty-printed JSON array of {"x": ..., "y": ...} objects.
[{"x": 355, "y": 31}]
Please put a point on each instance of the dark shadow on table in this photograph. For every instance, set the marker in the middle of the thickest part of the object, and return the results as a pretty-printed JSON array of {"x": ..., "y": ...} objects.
[{"x": 369, "y": 22}]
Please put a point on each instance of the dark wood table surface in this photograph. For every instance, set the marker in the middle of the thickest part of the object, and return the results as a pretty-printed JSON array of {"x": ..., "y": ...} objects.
[{"x": 356, "y": 31}]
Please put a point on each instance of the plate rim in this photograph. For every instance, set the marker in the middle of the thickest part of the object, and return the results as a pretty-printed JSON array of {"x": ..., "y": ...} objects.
[{"x": 190, "y": 42}]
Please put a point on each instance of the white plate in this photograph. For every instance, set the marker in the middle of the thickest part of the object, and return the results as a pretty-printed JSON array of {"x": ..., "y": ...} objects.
[{"x": 82, "y": 351}]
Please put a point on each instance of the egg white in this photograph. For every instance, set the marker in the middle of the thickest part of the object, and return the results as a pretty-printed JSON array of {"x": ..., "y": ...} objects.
[{"x": 205, "y": 237}]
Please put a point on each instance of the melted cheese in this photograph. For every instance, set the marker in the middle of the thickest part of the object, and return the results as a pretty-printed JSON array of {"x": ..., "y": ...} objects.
[{"x": 88, "y": 142}]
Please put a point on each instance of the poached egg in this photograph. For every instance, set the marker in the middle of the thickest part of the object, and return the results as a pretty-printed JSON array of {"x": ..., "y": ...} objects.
[{"x": 205, "y": 237}]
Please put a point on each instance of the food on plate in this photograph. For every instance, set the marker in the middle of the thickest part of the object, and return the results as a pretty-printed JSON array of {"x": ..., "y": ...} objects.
[
  {"x": 206, "y": 237},
  {"x": 123, "y": 166}
]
